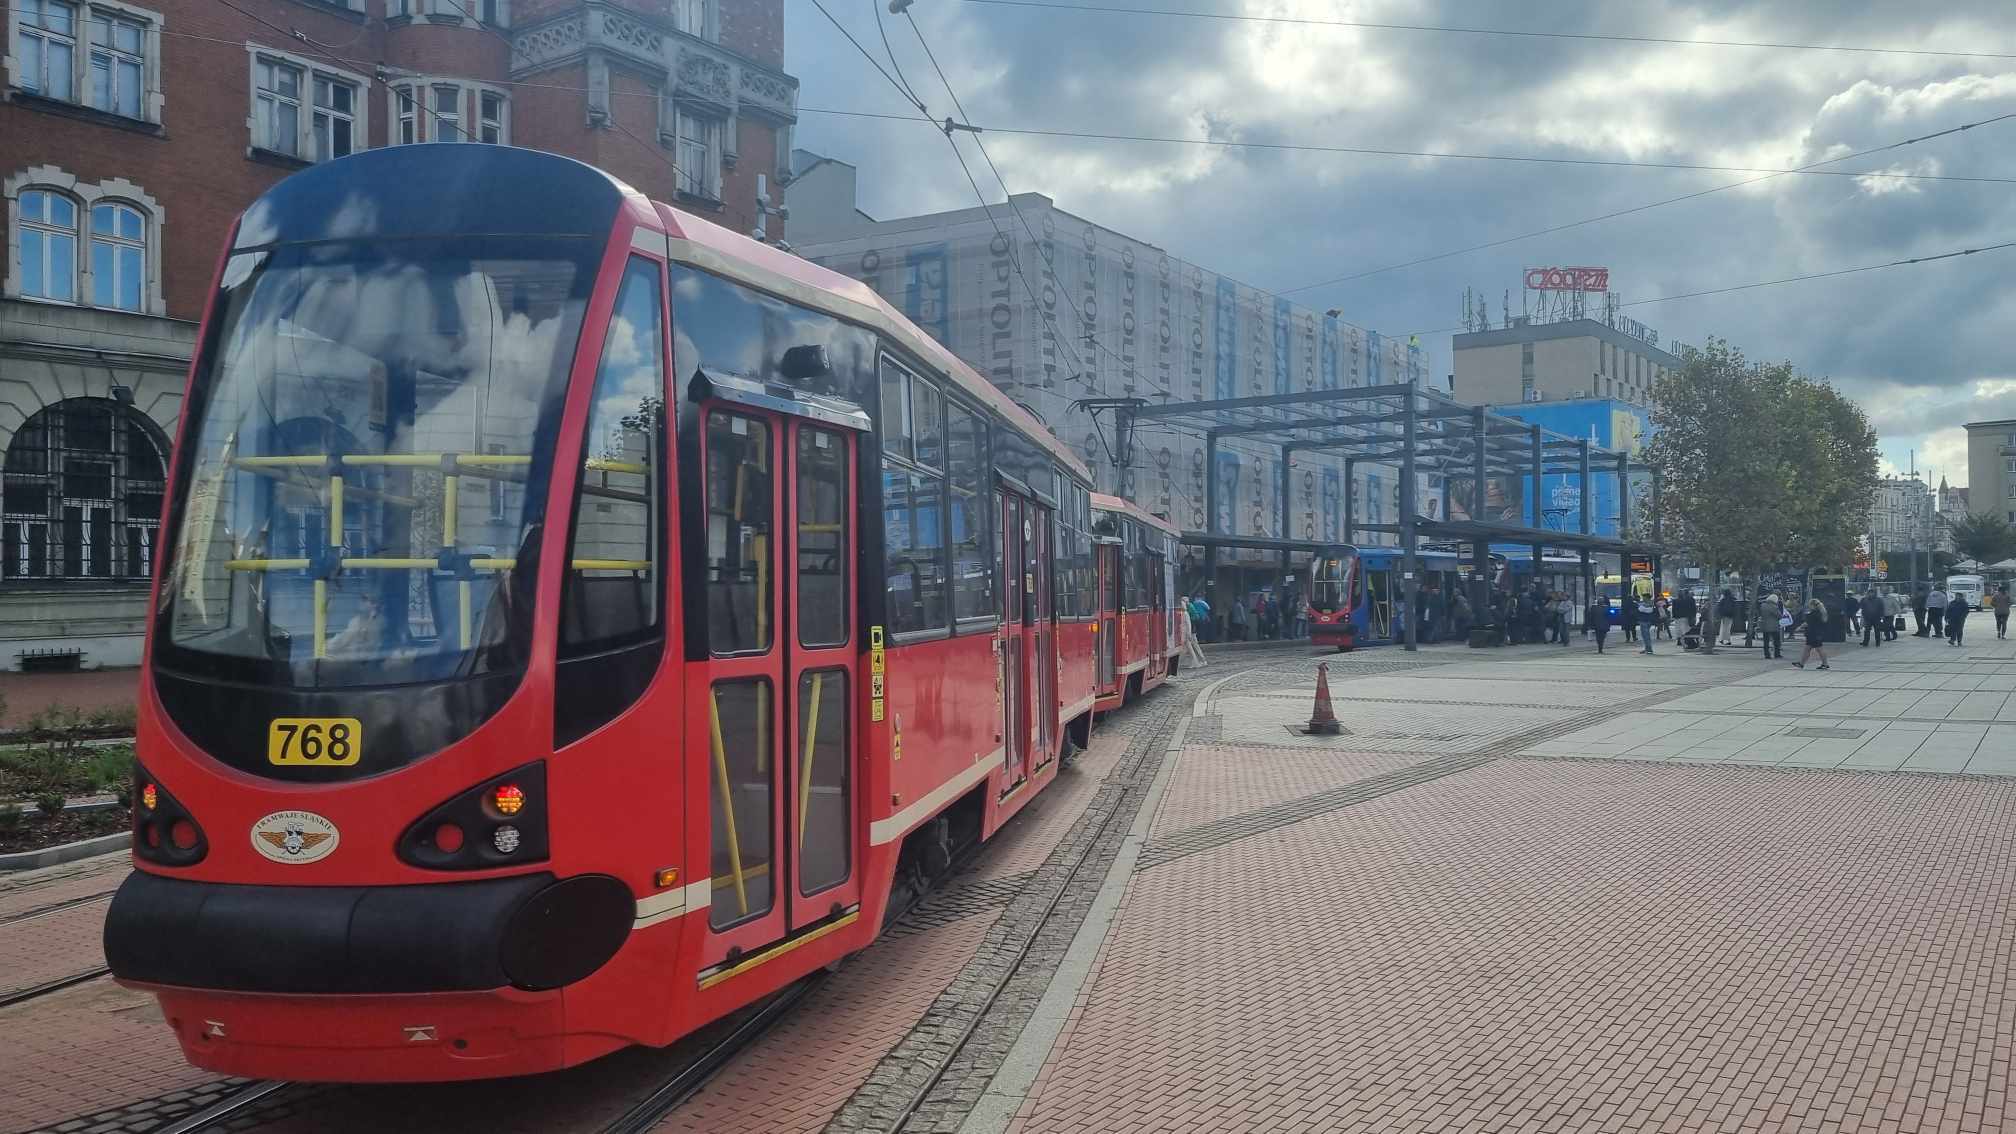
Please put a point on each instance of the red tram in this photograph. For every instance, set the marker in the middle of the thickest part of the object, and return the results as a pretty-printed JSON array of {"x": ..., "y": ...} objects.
[
  {"x": 1141, "y": 628},
  {"x": 1335, "y": 585},
  {"x": 579, "y": 619}
]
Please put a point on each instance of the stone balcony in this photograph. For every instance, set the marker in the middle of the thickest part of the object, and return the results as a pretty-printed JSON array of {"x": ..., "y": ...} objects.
[{"x": 695, "y": 70}]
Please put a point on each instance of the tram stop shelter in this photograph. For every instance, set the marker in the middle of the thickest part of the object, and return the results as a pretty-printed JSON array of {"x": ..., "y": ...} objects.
[{"x": 1419, "y": 432}]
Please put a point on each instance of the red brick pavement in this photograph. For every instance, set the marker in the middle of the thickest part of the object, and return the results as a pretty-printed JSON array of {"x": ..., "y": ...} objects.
[
  {"x": 29, "y": 693},
  {"x": 83, "y": 1050},
  {"x": 1569, "y": 946},
  {"x": 796, "y": 1077},
  {"x": 56, "y": 945},
  {"x": 33, "y": 890},
  {"x": 1214, "y": 781}
]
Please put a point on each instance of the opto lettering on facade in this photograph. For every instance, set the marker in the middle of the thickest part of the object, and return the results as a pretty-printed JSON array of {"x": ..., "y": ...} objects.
[{"x": 1001, "y": 312}]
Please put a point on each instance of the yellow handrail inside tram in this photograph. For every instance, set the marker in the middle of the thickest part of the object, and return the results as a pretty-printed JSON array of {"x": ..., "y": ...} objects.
[
  {"x": 727, "y": 798},
  {"x": 805, "y": 761}
]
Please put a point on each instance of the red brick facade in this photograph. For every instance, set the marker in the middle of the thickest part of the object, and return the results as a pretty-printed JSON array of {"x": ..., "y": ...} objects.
[{"x": 195, "y": 161}]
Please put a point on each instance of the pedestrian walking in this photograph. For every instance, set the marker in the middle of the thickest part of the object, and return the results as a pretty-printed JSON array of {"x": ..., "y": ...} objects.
[
  {"x": 1725, "y": 615},
  {"x": 1643, "y": 604},
  {"x": 1685, "y": 611},
  {"x": 1239, "y": 621},
  {"x": 1999, "y": 603},
  {"x": 1851, "y": 613},
  {"x": 1875, "y": 617},
  {"x": 1562, "y": 606},
  {"x": 1662, "y": 619},
  {"x": 1596, "y": 620},
  {"x": 1627, "y": 616},
  {"x": 1956, "y": 617},
  {"x": 1771, "y": 613},
  {"x": 1815, "y": 625},
  {"x": 1460, "y": 618},
  {"x": 1918, "y": 603},
  {"x": 1935, "y": 611}
]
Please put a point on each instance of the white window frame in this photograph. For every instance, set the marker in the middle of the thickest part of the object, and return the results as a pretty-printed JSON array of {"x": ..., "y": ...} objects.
[
  {"x": 427, "y": 122},
  {"x": 310, "y": 71},
  {"x": 485, "y": 123},
  {"x": 686, "y": 13},
  {"x": 706, "y": 182},
  {"x": 107, "y": 49},
  {"x": 85, "y": 195},
  {"x": 117, "y": 241},
  {"x": 48, "y": 230},
  {"x": 18, "y": 57},
  {"x": 83, "y": 46},
  {"x": 438, "y": 120}
]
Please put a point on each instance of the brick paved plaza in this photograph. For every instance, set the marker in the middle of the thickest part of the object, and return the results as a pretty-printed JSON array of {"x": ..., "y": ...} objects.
[{"x": 1527, "y": 889}]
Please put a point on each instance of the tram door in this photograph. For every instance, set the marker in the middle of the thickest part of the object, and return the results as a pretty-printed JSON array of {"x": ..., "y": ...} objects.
[
  {"x": 1109, "y": 613},
  {"x": 777, "y": 715},
  {"x": 1042, "y": 633},
  {"x": 1016, "y": 600},
  {"x": 1158, "y": 625}
]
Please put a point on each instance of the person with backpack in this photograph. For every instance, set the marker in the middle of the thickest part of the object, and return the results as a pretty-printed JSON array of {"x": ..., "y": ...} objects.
[
  {"x": 1770, "y": 612},
  {"x": 1643, "y": 605}
]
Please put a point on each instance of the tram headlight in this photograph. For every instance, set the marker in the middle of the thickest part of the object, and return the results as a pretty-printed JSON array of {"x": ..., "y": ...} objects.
[{"x": 498, "y": 822}]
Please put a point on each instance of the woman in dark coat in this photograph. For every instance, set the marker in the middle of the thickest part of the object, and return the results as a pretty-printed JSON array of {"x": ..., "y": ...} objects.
[
  {"x": 1956, "y": 618},
  {"x": 1816, "y": 635}
]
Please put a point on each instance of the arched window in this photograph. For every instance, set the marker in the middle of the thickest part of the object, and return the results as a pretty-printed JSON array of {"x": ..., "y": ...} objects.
[
  {"x": 118, "y": 256},
  {"x": 48, "y": 246},
  {"x": 80, "y": 495}
]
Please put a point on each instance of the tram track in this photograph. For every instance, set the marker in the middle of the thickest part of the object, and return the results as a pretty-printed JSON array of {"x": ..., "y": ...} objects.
[
  {"x": 20, "y": 916},
  {"x": 34, "y": 991}
]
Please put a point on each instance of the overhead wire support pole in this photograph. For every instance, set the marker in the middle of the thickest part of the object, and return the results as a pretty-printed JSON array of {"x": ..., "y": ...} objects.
[
  {"x": 1480, "y": 598},
  {"x": 1211, "y": 518},
  {"x": 1410, "y": 570},
  {"x": 1539, "y": 496},
  {"x": 1588, "y": 584},
  {"x": 1281, "y": 526}
]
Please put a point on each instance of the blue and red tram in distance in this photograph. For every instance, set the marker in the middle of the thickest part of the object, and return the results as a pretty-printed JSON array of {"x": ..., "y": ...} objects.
[
  {"x": 579, "y": 621},
  {"x": 1336, "y": 596},
  {"x": 1141, "y": 628}
]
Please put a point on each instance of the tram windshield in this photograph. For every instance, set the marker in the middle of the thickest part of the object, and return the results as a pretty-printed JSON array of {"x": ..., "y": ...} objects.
[
  {"x": 1330, "y": 581},
  {"x": 363, "y": 488}
]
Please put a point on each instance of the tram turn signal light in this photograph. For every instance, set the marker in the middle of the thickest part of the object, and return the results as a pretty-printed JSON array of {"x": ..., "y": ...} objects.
[
  {"x": 508, "y": 799},
  {"x": 149, "y": 797}
]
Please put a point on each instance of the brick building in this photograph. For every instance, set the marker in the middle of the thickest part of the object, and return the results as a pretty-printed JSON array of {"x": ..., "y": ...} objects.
[{"x": 131, "y": 133}]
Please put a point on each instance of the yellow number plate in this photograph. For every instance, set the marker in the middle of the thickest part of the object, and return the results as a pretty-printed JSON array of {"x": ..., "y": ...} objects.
[{"x": 315, "y": 741}]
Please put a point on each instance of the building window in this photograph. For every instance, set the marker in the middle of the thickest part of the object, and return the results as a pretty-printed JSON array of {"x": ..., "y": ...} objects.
[
  {"x": 48, "y": 44},
  {"x": 697, "y": 154},
  {"x": 691, "y": 16},
  {"x": 330, "y": 126},
  {"x": 48, "y": 268},
  {"x": 408, "y": 115},
  {"x": 118, "y": 62},
  {"x": 100, "y": 55},
  {"x": 446, "y": 110},
  {"x": 118, "y": 256},
  {"x": 276, "y": 104},
  {"x": 490, "y": 119},
  {"x": 80, "y": 497}
]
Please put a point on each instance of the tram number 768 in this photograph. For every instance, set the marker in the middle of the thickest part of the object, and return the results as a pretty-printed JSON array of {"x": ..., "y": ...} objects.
[{"x": 316, "y": 741}]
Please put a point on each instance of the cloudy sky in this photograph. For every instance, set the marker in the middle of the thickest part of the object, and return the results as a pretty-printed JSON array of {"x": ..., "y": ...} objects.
[{"x": 1925, "y": 347}]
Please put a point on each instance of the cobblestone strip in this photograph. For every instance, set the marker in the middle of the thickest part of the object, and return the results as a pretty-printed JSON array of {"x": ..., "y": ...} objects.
[
  {"x": 1232, "y": 829},
  {"x": 963, "y": 1037},
  {"x": 959, "y": 903}
]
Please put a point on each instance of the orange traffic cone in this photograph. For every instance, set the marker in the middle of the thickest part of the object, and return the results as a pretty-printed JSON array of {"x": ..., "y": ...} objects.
[{"x": 1322, "y": 720}]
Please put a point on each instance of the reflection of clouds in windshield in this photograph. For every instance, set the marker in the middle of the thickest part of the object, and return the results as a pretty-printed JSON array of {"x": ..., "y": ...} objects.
[
  {"x": 357, "y": 216},
  {"x": 260, "y": 226}
]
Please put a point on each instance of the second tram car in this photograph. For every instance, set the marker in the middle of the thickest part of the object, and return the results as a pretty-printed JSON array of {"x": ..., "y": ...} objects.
[
  {"x": 577, "y": 621},
  {"x": 1140, "y": 628}
]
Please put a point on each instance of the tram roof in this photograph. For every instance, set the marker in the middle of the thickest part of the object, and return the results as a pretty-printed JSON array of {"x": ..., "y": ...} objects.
[
  {"x": 701, "y": 243},
  {"x": 1105, "y": 503}
]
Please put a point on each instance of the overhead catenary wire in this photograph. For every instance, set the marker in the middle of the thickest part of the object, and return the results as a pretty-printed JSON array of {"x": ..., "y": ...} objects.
[
  {"x": 1008, "y": 196},
  {"x": 1614, "y": 214},
  {"x": 1515, "y": 33}
]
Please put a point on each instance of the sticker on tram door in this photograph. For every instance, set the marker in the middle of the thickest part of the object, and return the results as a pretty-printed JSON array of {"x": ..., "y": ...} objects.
[{"x": 314, "y": 741}]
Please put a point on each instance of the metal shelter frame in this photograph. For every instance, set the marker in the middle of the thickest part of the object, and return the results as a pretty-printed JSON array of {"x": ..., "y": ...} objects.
[{"x": 1418, "y": 431}]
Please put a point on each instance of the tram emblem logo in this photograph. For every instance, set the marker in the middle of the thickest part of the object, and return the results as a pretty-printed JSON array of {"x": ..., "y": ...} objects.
[{"x": 294, "y": 837}]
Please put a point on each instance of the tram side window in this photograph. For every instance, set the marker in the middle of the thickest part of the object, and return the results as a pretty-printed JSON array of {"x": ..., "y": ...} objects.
[
  {"x": 914, "y": 549},
  {"x": 823, "y": 601},
  {"x": 741, "y": 574},
  {"x": 972, "y": 560},
  {"x": 611, "y": 599}
]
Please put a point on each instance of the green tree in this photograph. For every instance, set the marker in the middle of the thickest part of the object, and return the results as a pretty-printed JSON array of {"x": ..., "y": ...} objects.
[
  {"x": 1983, "y": 537},
  {"x": 1762, "y": 467}
]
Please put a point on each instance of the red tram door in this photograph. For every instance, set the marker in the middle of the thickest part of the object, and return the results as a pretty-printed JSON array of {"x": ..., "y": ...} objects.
[
  {"x": 775, "y": 716},
  {"x": 1028, "y": 638},
  {"x": 1158, "y": 624},
  {"x": 1107, "y": 648}
]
